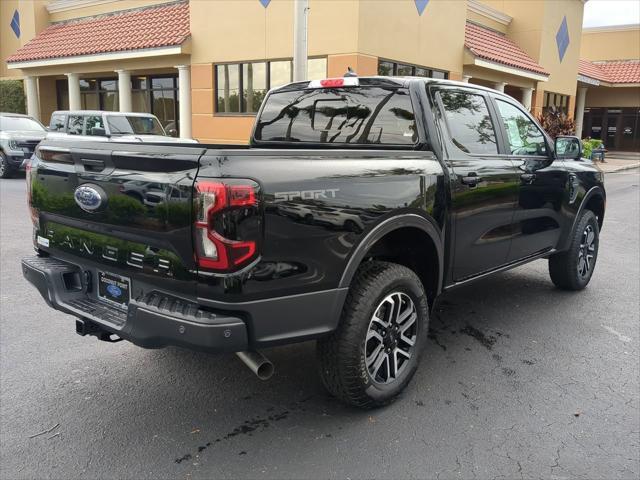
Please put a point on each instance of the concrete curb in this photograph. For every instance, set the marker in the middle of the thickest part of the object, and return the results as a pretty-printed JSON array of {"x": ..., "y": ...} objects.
[{"x": 621, "y": 168}]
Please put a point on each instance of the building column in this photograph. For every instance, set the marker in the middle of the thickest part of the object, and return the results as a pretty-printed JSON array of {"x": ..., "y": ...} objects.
[
  {"x": 527, "y": 94},
  {"x": 73, "y": 81},
  {"x": 466, "y": 78},
  {"x": 33, "y": 102},
  {"x": 580, "y": 103},
  {"x": 499, "y": 86},
  {"x": 124, "y": 90},
  {"x": 184, "y": 97}
]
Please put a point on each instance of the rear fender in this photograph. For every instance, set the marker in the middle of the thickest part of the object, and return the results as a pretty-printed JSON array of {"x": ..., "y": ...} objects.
[{"x": 386, "y": 227}]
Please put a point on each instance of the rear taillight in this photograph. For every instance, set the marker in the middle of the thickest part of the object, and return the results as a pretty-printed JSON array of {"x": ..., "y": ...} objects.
[
  {"x": 32, "y": 210},
  {"x": 227, "y": 225}
]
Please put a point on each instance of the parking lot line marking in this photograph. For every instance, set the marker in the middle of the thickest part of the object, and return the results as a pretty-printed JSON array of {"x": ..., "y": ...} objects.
[{"x": 622, "y": 337}]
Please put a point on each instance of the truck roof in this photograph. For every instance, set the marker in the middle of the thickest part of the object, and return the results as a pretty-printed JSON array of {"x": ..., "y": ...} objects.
[
  {"x": 394, "y": 81},
  {"x": 104, "y": 112}
]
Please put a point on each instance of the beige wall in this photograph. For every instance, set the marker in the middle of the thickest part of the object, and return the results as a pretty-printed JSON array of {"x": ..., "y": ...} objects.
[
  {"x": 33, "y": 19},
  {"x": 534, "y": 27},
  {"x": 613, "y": 97},
  {"x": 392, "y": 29},
  {"x": 486, "y": 21},
  {"x": 231, "y": 30},
  {"x": 563, "y": 78},
  {"x": 610, "y": 45},
  {"x": 97, "y": 9}
]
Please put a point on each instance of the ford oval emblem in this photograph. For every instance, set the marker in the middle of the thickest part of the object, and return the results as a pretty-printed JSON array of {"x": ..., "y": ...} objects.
[
  {"x": 90, "y": 197},
  {"x": 114, "y": 291}
]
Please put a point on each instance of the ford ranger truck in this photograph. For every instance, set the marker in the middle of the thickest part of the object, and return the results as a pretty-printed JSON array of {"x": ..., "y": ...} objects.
[{"x": 356, "y": 204}]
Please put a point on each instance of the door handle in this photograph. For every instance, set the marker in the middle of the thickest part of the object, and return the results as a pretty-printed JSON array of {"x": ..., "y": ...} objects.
[
  {"x": 93, "y": 164},
  {"x": 528, "y": 177},
  {"x": 471, "y": 180}
]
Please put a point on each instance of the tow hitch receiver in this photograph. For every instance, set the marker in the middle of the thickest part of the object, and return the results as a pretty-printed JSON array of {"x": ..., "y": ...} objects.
[{"x": 85, "y": 327}]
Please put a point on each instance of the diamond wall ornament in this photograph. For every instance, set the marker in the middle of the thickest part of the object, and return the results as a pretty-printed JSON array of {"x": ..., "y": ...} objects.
[
  {"x": 421, "y": 5},
  {"x": 265, "y": 3},
  {"x": 562, "y": 38},
  {"x": 15, "y": 23}
]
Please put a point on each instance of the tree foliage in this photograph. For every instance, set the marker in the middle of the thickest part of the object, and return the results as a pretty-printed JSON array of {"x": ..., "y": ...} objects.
[{"x": 12, "y": 99}]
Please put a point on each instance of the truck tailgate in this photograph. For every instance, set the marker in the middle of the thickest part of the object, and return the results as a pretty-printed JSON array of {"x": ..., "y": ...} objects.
[{"x": 121, "y": 211}]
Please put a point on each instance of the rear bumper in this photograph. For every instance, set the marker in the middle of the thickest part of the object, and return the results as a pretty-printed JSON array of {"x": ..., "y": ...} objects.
[{"x": 151, "y": 322}]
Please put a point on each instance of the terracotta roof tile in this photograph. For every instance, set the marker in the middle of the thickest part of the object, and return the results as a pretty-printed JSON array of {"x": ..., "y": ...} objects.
[
  {"x": 154, "y": 27},
  {"x": 617, "y": 71},
  {"x": 591, "y": 70},
  {"x": 490, "y": 45},
  {"x": 625, "y": 71}
]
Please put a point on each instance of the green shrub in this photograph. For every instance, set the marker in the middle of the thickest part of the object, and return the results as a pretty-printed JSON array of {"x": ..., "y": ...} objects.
[
  {"x": 589, "y": 145},
  {"x": 12, "y": 99}
]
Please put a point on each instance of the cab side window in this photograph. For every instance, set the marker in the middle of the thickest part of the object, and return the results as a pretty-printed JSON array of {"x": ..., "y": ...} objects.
[
  {"x": 523, "y": 135},
  {"x": 93, "y": 121},
  {"x": 469, "y": 122},
  {"x": 57, "y": 123},
  {"x": 75, "y": 125}
]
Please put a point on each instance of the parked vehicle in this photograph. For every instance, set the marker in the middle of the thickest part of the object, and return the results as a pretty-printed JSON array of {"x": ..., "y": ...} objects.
[
  {"x": 97, "y": 125},
  {"x": 445, "y": 183},
  {"x": 19, "y": 135}
]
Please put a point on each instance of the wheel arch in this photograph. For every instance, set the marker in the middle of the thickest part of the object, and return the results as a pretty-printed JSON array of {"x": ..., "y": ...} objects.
[
  {"x": 594, "y": 200},
  {"x": 382, "y": 243}
]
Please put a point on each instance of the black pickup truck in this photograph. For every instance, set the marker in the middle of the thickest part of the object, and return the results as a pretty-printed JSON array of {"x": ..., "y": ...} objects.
[{"x": 358, "y": 201}]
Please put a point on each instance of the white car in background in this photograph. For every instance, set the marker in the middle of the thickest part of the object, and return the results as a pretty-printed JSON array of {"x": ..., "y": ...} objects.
[
  {"x": 103, "y": 126},
  {"x": 19, "y": 136}
]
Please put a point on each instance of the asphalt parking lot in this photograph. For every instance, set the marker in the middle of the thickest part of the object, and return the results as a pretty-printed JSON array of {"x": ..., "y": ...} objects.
[{"x": 520, "y": 380}]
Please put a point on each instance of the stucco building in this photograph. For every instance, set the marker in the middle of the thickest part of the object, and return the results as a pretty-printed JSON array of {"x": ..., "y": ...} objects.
[{"x": 206, "y": 65}]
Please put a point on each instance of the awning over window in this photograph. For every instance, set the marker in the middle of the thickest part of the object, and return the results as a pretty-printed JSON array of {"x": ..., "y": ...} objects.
[
  {"x": 490, "y": 48},
  {"x": 131, "y": 33},
  {"x": 615, "y": 73}
]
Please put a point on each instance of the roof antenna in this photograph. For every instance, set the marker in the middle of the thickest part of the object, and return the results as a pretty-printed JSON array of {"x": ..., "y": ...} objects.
[{"x": 350, "y": 72}]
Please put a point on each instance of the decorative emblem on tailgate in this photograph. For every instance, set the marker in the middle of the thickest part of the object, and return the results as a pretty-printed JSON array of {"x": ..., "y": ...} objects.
[{"x": 90, "y": 197}]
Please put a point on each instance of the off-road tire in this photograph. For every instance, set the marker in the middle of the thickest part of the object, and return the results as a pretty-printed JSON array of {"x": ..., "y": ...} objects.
[
  {"x": 564, "y": 267},
  {"x": 5, "y": 169},
  {"x": 341, "y": 356}
]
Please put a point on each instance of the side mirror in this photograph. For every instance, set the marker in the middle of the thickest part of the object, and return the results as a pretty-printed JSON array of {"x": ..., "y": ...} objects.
[
  {"x": 172, "y": 132},
  {"x": 568, "y": 147},
  {"x": 98, "y": 132}
]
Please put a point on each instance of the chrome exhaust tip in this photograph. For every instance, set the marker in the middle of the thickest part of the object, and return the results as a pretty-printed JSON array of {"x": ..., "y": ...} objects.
[{"x": 257, "y": 363}]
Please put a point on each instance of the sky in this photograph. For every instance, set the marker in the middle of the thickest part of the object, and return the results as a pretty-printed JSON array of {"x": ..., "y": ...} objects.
[{"x": 598, "y": 13}]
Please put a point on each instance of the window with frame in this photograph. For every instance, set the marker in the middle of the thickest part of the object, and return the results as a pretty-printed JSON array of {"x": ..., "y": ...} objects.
[
  {"x": 523, "y": 135},
  {"x": 241, "y": 87},
  {"x": 556, "y": 100},
  {"x": 355, "y": 116},
  {"x": 156, "y": 94},
  {"x": 389, "y": 68},
  {"x": 92, "y": 121},
  {"x": 469, "y": 122},
  {"x": 75, "y": 124},
  {"x": 57, "y": 122}
]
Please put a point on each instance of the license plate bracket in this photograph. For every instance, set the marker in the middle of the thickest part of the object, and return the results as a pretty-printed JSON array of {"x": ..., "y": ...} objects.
[{"x": 114, "y": 289}]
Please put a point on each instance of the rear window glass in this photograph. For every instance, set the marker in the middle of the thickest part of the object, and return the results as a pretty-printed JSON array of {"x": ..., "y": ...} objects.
[{"x": 371, "y": 115}]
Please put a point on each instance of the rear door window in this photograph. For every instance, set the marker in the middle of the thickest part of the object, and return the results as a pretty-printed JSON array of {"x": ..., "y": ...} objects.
[
  {"x": 469, "y": 122},
  {"x": 351, "y": 115},
  {"x": 75, "y": 125},
  {"x": 57, "y": 123},
  {"x": 93, "y": 121}
]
